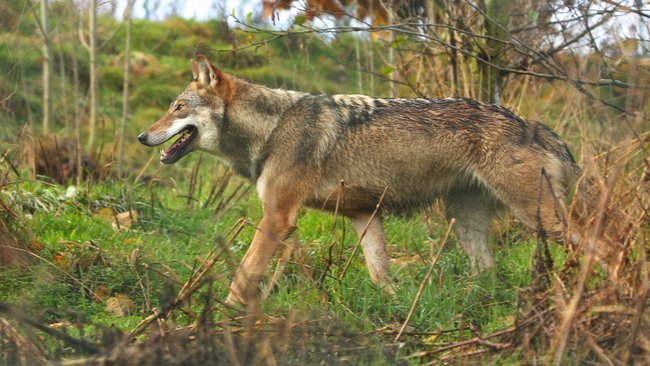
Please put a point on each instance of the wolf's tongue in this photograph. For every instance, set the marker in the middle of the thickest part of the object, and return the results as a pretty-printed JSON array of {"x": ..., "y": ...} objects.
[{"x": 178, "y": 143}]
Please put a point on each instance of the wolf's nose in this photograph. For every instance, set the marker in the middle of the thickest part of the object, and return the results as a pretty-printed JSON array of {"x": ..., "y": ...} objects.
[{"x": 142, "y": 137}]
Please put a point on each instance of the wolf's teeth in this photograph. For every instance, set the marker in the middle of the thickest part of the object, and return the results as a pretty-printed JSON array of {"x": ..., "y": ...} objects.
[{"x": 182, "y": 139}]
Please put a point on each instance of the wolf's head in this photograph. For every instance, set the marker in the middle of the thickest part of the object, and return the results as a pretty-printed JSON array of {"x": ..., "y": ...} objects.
[{"x": 194, "y": 115}]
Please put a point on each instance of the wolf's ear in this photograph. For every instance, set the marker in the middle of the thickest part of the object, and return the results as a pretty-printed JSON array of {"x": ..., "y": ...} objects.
[
  {"x": 195, "y": 70},
  {"x": 204, "y": 72}
]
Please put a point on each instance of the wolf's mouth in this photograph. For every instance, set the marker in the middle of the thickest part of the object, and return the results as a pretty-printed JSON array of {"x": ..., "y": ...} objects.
[{"x": 180, "y": 147}]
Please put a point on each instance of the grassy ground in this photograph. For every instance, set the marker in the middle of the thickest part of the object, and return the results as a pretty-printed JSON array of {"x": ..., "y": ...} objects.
[{"x": 82, "y": 255}]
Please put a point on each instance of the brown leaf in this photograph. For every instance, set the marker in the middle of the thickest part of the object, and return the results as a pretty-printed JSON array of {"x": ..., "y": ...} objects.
[
  {"x": 106, "y": 214},
  {"x": 99, "y": 293},
  {"x": 124, "y": 220},
  {"x": 60, "y": 325},
  {"x": 120, "y": 305},
  {"x": 133, "y": 241}
]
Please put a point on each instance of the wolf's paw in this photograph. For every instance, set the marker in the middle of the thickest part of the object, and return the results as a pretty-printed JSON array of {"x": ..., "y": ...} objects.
[
  {"x": 234, "y": 301},
  {"x": 390, "y": 289}
]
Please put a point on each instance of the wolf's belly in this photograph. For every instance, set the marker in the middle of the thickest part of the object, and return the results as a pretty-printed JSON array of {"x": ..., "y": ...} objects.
[{"x": 400, "y": 193}]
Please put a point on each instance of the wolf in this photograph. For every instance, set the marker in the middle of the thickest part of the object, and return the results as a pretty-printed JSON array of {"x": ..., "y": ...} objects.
[{"x": 346, "y": 153}]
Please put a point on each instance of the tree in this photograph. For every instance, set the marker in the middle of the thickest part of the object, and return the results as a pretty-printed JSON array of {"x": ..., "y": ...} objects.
[
  {"x": 502, "y": 39},
  {"x": 125, "y": 88},
  {"x": 496, "y": 16},
  {"x": 92, "y": 50},
  {"x": 47, "y": 66}
]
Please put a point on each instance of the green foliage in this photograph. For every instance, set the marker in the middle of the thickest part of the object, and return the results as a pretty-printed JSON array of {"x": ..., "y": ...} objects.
[
  {"x": 299, "y": 20},
  {"x": 82, "y": 252},
  {"x": 112, "y": 78}
]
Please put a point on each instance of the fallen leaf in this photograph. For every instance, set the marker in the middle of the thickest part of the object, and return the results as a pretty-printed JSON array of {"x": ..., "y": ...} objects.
[
  {"x": 120, "y": 305},
  {"x": 99, "y": 293},
  {"x": 60, "y": 258},
  {"x": 36, "y": 246},
  {"x": 430, "y": 340},
  {"x": 106, "y": 214},
  {"x": 60, "y": 325},
  {"x": 124, "y": 220},
  {"x": 128, "y": 241}
]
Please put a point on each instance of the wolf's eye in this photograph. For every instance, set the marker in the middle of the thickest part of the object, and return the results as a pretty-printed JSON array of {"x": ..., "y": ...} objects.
[{"x": 178, "y": 107}]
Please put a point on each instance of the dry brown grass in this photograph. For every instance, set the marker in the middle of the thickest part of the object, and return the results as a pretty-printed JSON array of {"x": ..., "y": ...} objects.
[
  {"x": 58, "y": 159},
  {"x": 13, "y": 243}
]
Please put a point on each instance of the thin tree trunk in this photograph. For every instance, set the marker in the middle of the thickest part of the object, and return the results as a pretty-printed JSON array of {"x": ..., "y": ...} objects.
[
  {"x": 125, "y": 88},
  {"x": 64, "y": 92},
  {"x": 371, "y": 57},
  {"x": 391, "y": 51},
  {"x": 371, "y": 61},
  {"x": 47, "y": 67},
  {"x": 25, "y": 93},
  {"x": 357, "y": 54},
  {"x": 453, "y": 59},
  {"x": 498, "y": 14},
  {"x": 69, "y": 141},
  {"x": 147, "y": 11},
  {"x": 453, "y": 54},
  {"x": 94, "y": 104},
  {"x": 77, "y": 112}
]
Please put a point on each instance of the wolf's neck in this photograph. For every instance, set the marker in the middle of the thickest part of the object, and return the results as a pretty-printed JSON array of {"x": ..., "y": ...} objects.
[{"x": 253, "y": 112}]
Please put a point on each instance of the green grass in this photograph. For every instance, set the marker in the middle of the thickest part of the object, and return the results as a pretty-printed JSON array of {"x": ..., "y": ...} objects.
[{"x": 171, "y": 235}]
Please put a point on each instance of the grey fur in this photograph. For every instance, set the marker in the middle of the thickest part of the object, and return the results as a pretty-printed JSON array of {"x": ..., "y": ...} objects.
[{"x": 298, "y": 148}]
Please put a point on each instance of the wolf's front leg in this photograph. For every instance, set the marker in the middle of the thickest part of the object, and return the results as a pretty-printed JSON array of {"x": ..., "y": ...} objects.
[{"x": 276, "y": 225}]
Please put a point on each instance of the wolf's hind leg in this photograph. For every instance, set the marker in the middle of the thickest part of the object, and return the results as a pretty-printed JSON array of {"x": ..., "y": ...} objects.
[
  {"x": 375, "y": 251},
  {"x": 473, "y": 210}
]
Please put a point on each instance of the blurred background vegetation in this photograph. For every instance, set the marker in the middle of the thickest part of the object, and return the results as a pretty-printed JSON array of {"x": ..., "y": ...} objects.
[{"x": 96, "y": 236}]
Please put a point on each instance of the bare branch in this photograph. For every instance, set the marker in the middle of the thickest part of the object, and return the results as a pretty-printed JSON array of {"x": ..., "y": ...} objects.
[{"x": 396, "y": 28}]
